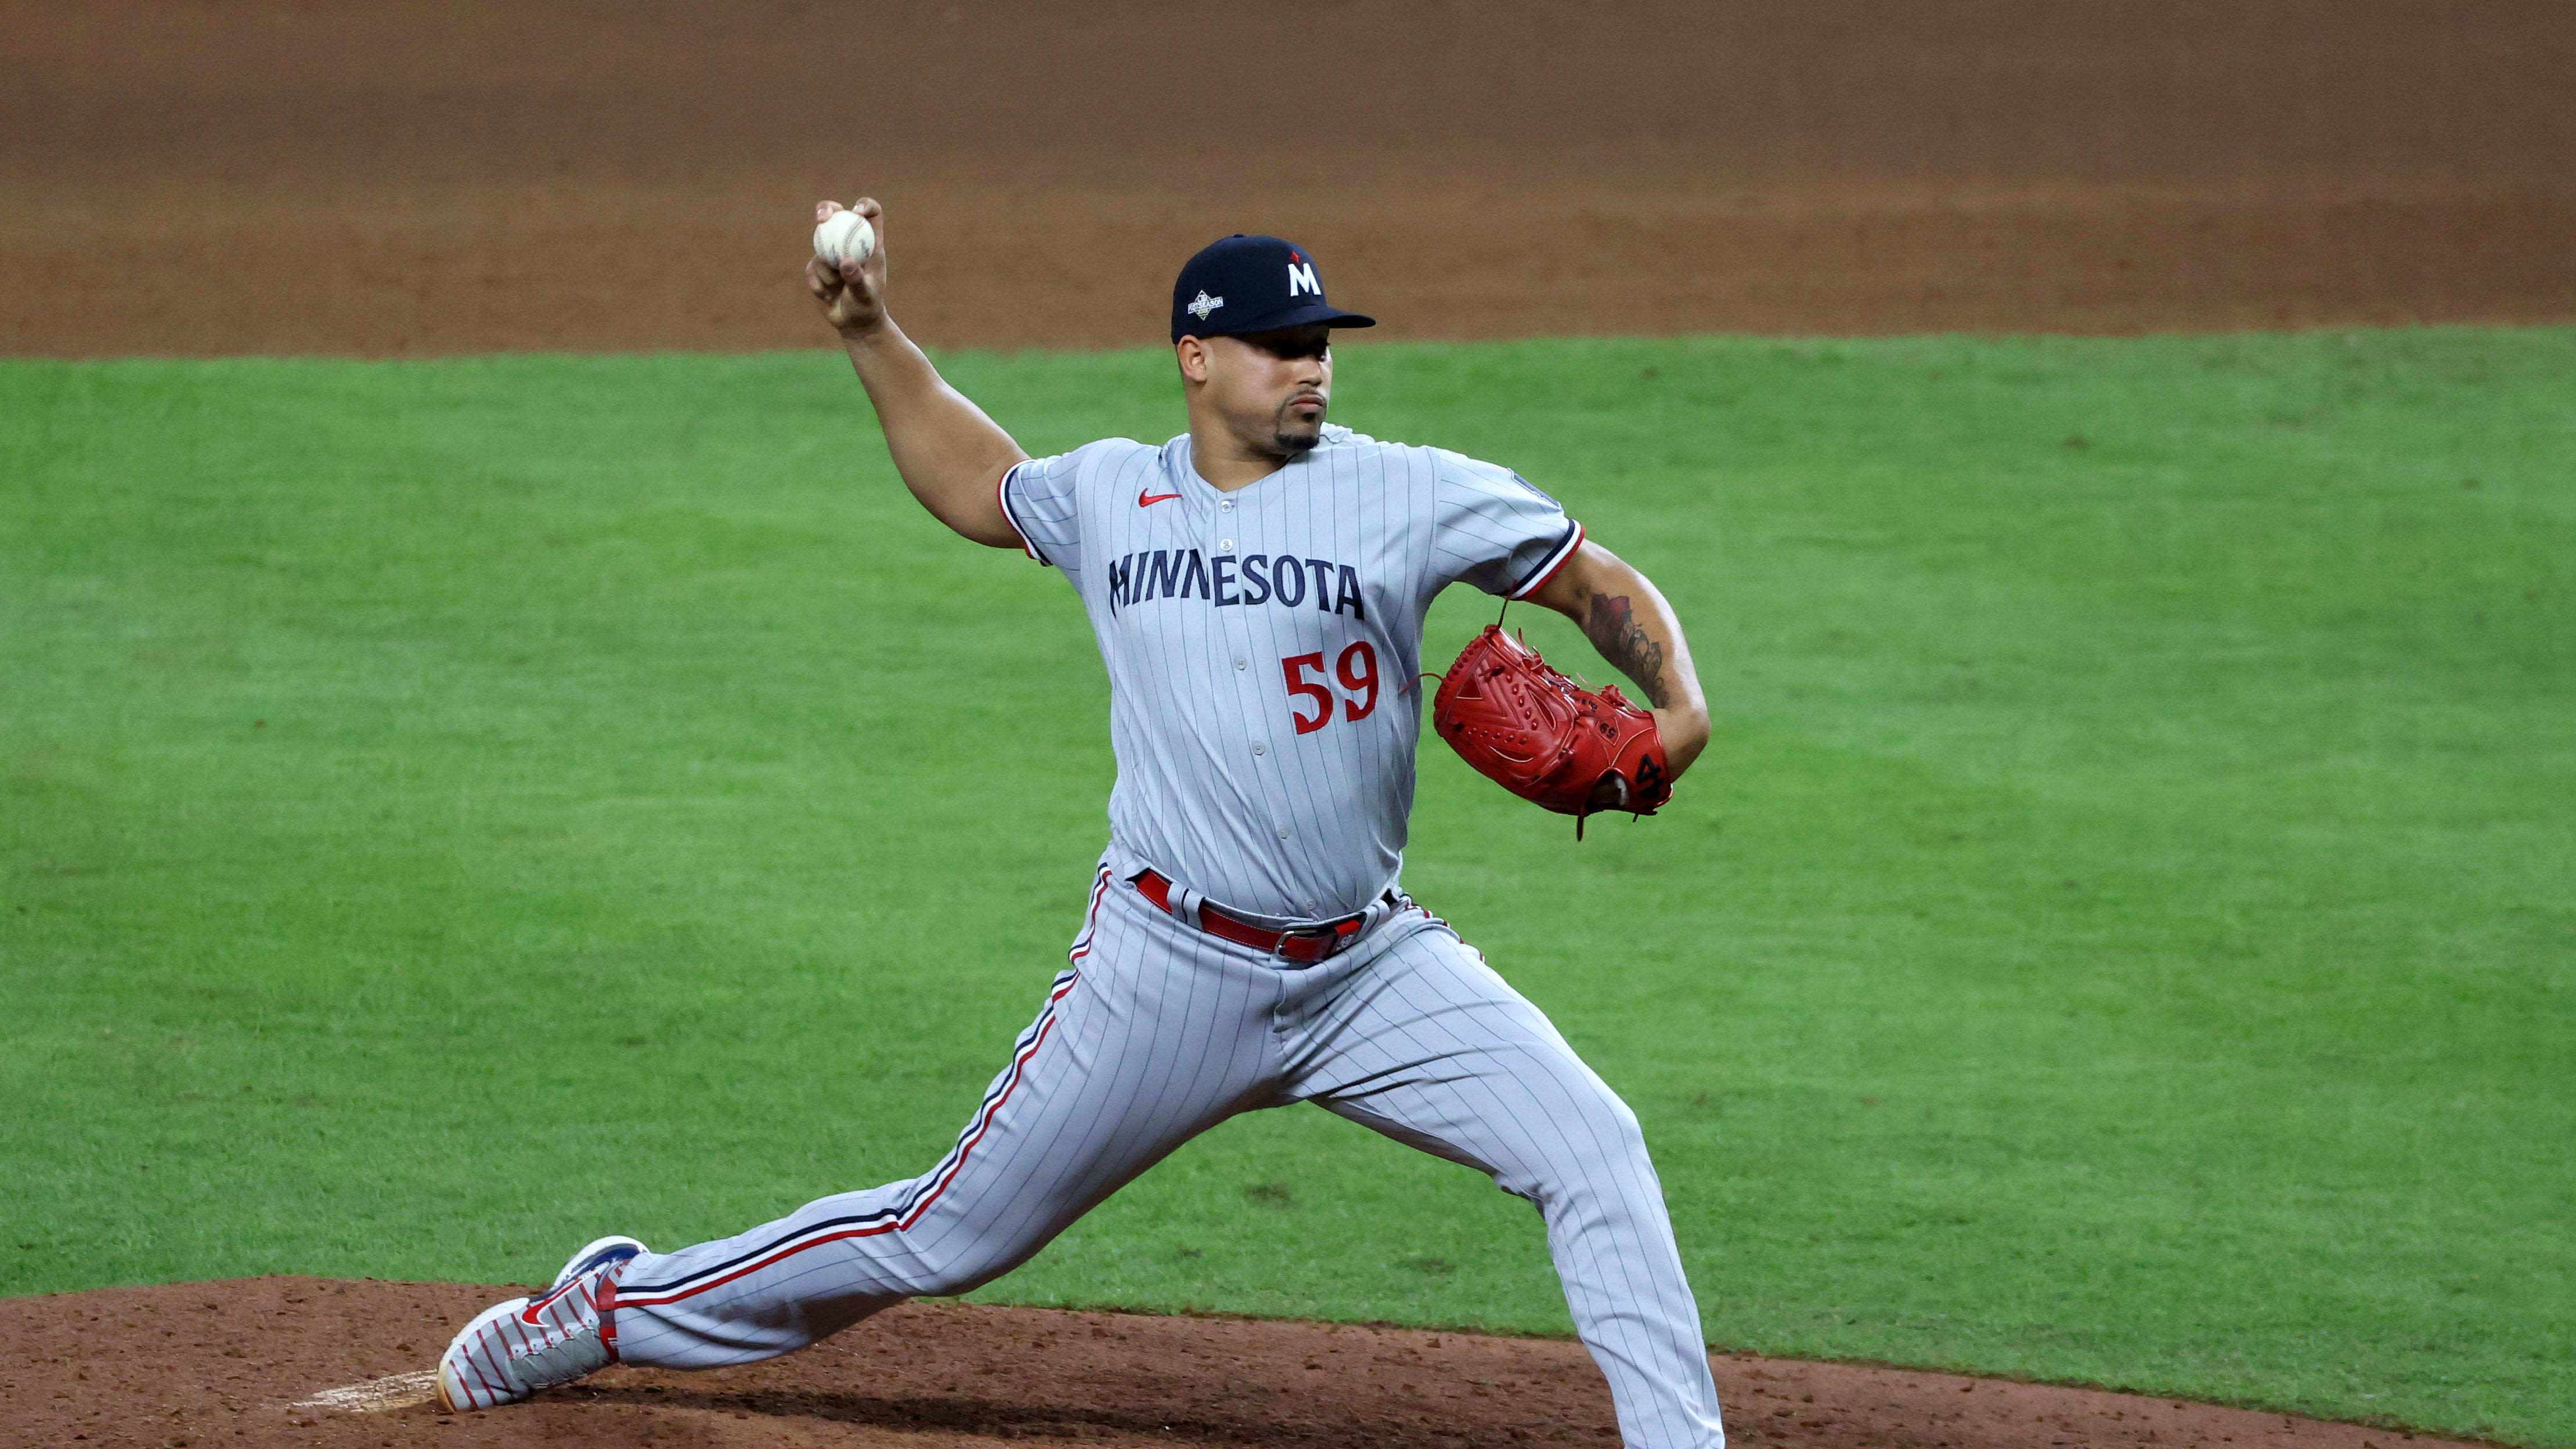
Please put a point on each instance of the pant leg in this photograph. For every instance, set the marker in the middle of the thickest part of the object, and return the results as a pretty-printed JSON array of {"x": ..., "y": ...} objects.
[
  {"x": 1137, "y": 1050},
  {"x": 1427, "y": 1044}
]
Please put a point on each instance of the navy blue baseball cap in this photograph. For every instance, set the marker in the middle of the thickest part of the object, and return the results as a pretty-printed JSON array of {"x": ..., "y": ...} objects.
[{"x": 1252, "y": 284}]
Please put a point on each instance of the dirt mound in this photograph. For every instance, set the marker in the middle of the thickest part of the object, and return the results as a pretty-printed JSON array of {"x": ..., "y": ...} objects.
[
  {"x": 390, "y": 177},
  {"x": 300, "y": 1360}
]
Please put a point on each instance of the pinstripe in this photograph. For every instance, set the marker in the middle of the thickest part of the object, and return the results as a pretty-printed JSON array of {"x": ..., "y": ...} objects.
[
  {"x": 1192, "y": 795},
  {"x": 1160, "y": 1031},
  {"x": 1011, "y": 513},
  {"x": 1172, "y": 1031},
  {"x": 1545, "y": 568},
  {"x": 1437, "y": 1051}
]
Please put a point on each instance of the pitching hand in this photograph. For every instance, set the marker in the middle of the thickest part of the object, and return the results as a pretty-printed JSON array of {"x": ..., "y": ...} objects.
[{"x": 853, "y": 295}]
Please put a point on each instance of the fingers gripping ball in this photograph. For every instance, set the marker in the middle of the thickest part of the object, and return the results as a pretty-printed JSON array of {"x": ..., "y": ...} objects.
[
  {"x": 1545, "y": 738},
  {"x": 845, "y": 236}
]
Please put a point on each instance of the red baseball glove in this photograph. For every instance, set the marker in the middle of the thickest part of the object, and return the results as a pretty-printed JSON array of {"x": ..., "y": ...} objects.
[{"x": 1545, "y": 738}]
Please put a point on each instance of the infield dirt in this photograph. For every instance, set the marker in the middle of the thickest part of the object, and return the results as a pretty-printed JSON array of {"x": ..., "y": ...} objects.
[
  {"x": 405, "y": 178},
  {"x": 240, "y": 1362}
]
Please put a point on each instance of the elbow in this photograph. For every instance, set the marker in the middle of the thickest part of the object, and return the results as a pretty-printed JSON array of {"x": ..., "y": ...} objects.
[
  {"x": 1683, "y": 733},
  {"x": 993, "y": 532}
]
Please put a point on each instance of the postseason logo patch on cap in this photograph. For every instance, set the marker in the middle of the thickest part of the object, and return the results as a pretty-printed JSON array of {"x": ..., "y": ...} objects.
[{"x": 1252, "y": 284}]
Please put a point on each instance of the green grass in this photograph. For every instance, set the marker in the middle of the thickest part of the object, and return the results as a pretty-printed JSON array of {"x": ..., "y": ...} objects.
[{"x": 2122, "y": 931}]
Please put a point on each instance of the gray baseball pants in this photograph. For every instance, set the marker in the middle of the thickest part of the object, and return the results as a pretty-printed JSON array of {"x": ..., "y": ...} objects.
[{"x": 1159, "y": 1032}]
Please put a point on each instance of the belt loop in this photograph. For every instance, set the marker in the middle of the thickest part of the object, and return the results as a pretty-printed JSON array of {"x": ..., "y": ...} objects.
[
  {"x": 1369, "y": 919},
  {"x": 1175, "y": 899}
]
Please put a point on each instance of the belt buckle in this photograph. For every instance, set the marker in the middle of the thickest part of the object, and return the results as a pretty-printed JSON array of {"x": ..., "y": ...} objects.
[{"x": 1331, "y": 938}]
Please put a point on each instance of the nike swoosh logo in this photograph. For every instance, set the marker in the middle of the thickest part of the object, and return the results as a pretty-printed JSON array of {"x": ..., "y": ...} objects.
[
  {"x": 528, "y": 1315},
  {"x": 1144, "y": 499}
]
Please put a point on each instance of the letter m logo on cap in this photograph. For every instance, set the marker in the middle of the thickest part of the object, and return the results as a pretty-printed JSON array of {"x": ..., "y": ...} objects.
[{"x": 1301, "y": 278}]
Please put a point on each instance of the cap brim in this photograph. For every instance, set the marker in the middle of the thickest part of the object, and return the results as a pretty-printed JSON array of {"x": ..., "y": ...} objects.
[{"x": 1305, "y": 316}]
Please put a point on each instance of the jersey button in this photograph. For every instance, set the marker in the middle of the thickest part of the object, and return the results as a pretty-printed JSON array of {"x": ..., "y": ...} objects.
[
  {"x": 1259, "y": 748},
  {"x": 1225, "y": 505},
  {"x": 1226, "y": 544},
  {"x": 1242, "y": 664},
  {"x": 1283, "y": 832}
]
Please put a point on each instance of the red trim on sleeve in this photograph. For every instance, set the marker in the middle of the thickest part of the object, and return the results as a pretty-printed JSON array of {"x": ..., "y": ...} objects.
[{"x": 1553, "y": 569}]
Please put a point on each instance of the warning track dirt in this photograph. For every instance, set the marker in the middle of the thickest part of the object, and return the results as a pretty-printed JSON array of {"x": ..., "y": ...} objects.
[{"x": 396, "y": 177}]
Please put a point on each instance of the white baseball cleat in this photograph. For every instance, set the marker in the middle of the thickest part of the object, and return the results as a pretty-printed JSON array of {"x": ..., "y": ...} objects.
[{"x": 513, "y": 1349}]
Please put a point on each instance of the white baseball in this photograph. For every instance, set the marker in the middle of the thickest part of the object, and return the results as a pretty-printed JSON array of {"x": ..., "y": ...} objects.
[{"x": 845, "y": 236}]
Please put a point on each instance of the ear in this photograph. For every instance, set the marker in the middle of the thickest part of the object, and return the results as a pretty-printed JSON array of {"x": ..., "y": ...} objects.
[{"x": 1192, "y": 354}]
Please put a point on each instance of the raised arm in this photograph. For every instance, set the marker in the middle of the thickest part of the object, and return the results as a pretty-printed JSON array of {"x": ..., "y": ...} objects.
[
  {"x": 951, "y": 456},
  {"x": 1624, "y": 615}
]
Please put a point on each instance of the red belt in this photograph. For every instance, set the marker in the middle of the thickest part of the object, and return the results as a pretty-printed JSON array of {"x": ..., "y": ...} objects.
[{"x": 1314, "y": 943}]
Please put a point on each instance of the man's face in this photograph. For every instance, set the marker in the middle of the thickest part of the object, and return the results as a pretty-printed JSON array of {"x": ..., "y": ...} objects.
[{"x": 1271, "y": 388}]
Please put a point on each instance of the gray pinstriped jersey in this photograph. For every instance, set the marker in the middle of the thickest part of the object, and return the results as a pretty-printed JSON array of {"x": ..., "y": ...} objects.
[{"x": 1263, "y": 644}]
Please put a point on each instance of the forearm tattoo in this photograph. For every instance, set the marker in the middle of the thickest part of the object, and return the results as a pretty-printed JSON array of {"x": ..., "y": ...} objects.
[{"x": 1614, "y": 630}]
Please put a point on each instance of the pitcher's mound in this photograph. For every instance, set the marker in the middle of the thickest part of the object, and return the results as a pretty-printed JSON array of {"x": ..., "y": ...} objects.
[{"x": 316, "y": 1361}]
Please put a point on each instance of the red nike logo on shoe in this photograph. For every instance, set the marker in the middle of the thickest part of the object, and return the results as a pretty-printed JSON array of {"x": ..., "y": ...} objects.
[
  {"x": 1144, "y": 499},
  {"x": 528, "y": 1315}
]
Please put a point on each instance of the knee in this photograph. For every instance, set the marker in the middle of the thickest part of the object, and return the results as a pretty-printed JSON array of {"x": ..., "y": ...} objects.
[
  {"x": 944, "y": 1275},
  {"x": 945, "y": 1271},
  {"x": 963, "y": 1277},
  {"x": 1614, "y": 1126},
  {"x": 1602, "y": 1149}
]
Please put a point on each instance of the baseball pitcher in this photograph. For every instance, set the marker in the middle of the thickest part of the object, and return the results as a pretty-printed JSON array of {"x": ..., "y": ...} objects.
[{"x": 1257, "y": 587}]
